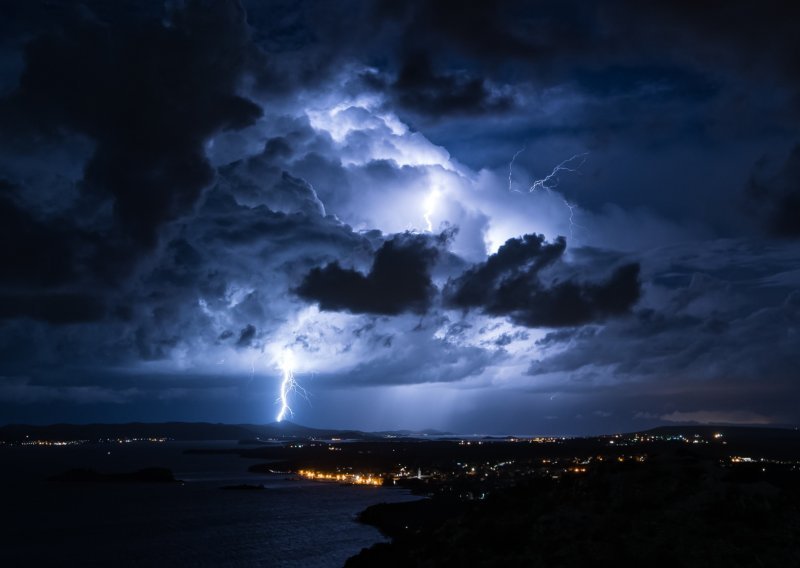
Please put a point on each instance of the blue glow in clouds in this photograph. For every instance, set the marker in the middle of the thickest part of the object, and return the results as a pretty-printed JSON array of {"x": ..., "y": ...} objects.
[{"x": 430, "y": 206}]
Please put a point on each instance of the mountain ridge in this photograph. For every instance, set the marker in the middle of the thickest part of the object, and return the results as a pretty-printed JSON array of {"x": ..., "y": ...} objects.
[{"x": 197, "y": 431}]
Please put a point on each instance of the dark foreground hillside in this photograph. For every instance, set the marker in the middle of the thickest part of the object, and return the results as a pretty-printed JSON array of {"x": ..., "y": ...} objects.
[{"x": 672, "y": 510}]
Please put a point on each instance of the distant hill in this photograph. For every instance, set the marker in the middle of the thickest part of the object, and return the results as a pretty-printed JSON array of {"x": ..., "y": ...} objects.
[
  {"x": 190, "y": 431},
  {"x": 428, "y": 432},
  {"x": 738, "y": 433},
  {"x": 285, "y": 430},
  {"x": 185, "y": 431},
  {"x": 778, "y": 443}
]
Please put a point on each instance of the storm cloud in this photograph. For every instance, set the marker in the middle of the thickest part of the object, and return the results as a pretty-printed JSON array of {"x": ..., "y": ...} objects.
[
  {"x": 148, "y": 95},
  {"x": 398, "y": 281},
  {"x": 510, "y": 284},
  {"x": 419, "y": 88},
  {"x": 776, "y": 197},
  {"x": 191, "y": 190}
]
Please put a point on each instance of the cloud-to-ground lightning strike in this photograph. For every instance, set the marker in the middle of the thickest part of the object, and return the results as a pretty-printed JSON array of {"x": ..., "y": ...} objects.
[{"x": 288, "y": 384}]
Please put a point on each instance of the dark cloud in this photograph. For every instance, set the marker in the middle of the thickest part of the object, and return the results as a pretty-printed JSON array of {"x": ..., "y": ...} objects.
[
  {"x": 246, "y": 336},
  {"x": 32, "y": 253},
  {"x": 755, "y": 38},
  {"x": 731, "y": 320},
  {"x": 257, "y": 180},
  {"x": 672, "y": 355},
  {"x": 650, "y": 83},
  {"x": 53, "y": 308},
  {"x": 777, "y": 197},
  {"x": 654, "y": 75},
  {"x": 419, "y": 88},
  {"x": 139, "y": 92},
  {"x": 483, "y": 29},
  {"x": 555, "y": 37},
  {"x": 398, "y": 281},
  {"x": 565, "y": 335},
  {"x": 148, "y": 93},
  {"x": 508, "y": 338},
  {"x": 477, "y": 285},
  {"x": 509, "y": 284}
]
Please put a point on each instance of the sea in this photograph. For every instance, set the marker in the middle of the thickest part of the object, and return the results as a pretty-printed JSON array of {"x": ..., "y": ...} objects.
[{"x": 291, "y": 523}]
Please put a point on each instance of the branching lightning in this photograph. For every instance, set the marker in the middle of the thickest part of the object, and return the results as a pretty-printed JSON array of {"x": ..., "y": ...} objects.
[
  {"x": 550, "y": 181},
  {"x": 572, "y": 223},
  {"x": 288, "y": 385}
]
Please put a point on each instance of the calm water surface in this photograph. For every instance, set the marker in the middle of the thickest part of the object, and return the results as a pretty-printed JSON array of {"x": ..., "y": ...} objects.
[{"x": 290, "y": 524}]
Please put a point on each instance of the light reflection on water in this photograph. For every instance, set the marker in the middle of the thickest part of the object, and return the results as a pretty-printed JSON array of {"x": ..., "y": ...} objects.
[{"x": 290, "y": 524}]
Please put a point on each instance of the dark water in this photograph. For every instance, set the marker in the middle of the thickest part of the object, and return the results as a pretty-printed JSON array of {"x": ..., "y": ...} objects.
[{"x": 289, "y": 524}]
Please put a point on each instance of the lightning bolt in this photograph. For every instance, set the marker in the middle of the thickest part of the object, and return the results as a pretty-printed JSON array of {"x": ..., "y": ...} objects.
[
  {"x": 572, "y": 223},
  {"x": 288, "y": 385},
  {"x": 430, "y": 207},
  {"x": 565, "y": 166},
  {"x": 511, "y": 168},
  {"x": 550, "y": 182}
]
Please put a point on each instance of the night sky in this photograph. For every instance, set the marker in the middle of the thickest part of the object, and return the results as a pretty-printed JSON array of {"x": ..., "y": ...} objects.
[{"x": 557, "y": 217}]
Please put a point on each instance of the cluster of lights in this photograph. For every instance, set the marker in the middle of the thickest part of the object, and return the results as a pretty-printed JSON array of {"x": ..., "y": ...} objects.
[
  {"x": 349, "y": 478},
  {"x": 131, "y": 440},
  {"x": 640, "y": 439},
  {"x": 53, "y": 442},
  {"x": 37, "y": 442},
  {"x": 534, "y": 440}
]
